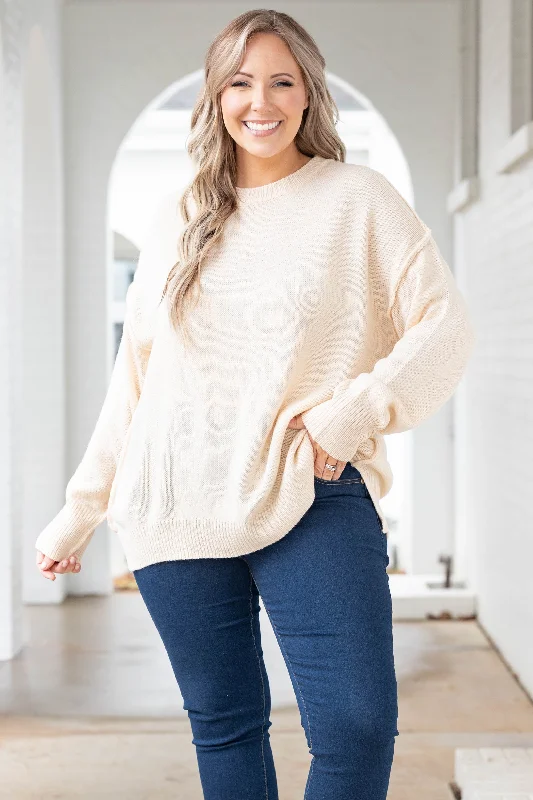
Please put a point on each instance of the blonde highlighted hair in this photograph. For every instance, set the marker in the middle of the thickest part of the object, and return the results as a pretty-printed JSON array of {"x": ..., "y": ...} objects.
[{"x": 212, "y": 149}]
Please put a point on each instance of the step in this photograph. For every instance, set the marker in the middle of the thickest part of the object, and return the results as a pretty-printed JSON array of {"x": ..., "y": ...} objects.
[
  {"x": 412, "y": 598},
  {"x": 494, "y": 773}
]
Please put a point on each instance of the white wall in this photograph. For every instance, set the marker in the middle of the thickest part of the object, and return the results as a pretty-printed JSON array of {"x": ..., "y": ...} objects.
[{"x": 495, "y": 235}]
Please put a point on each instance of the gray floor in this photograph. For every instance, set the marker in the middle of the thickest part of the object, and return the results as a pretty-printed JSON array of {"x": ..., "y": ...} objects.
[{"x": 91, "y": 708}]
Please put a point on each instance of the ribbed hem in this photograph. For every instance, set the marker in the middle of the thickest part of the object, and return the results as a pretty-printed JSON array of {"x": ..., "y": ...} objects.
[
  {"x": 173, "y": 538},
  {"x": 287, "y": 185},
  {"x": 206, "y": 537},
  {"x": 177, "y": 538}
]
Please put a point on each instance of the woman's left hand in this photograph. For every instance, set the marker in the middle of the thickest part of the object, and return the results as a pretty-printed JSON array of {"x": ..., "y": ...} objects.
[{"x": 321, "y": 457}]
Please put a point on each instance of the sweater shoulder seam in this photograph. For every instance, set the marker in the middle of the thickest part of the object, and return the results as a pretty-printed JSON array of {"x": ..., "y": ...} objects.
[{"x": 408, "y": 260}]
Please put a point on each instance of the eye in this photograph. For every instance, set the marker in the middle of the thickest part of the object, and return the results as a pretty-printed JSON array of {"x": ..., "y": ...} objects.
[{"x": 283, "y": 83}]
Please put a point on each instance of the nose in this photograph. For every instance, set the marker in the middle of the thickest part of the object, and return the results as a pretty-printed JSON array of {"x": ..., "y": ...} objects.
[{"x": 260, "y": 98}]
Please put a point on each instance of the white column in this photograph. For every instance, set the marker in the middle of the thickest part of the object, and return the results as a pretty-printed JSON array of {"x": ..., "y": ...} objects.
[
  {"x": 43, "y": 340},
  {"x": 11, "y": 410},
  {"x": 55, "y": 379},
  {"x": 430, "y": 503}
]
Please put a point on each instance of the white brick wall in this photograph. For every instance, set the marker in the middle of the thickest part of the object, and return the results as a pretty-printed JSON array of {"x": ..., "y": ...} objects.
[{"x": 496, "y": 236}]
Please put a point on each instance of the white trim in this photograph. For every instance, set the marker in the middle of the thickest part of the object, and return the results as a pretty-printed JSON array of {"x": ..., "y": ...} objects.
[
  {"x": 464, "y": 194},
  {"x": 517, "y": 149},
  {"x": 521, "y": 64},
  {"x": 468, "y": 92}
]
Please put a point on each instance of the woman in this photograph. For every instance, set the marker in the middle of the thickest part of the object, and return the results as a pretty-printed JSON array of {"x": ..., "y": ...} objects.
[{"x": 287, "y": 312}]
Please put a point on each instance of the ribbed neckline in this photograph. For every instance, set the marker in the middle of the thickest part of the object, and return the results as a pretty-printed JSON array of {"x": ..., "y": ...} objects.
[{"x": 289, "y": 183}]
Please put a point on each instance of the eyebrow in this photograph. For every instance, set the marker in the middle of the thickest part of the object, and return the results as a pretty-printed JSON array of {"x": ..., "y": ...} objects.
[{"x": 276, "y": 74}]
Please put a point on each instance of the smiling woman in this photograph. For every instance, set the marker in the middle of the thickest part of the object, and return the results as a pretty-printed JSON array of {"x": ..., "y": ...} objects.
[{"x": 243, "y": 453}]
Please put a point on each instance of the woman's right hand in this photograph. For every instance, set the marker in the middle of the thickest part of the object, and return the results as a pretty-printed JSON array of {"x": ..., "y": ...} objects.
[
  {"x": 49, "y": 567},
  {"x": 321, "y": 457}
]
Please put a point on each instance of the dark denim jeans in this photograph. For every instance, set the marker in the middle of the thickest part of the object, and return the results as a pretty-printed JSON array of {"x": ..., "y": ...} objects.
[{"x": 325, "y": 589}]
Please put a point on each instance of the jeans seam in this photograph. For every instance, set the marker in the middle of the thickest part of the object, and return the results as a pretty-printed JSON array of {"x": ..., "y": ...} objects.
[
  {"x": 301, "y": 695},
  {"x": 262, "y": 686}
]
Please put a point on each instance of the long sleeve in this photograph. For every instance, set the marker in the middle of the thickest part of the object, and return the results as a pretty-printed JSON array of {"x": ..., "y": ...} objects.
[
  {"x": 88, "y": 491},
  {"x": 435, "y": 337}
]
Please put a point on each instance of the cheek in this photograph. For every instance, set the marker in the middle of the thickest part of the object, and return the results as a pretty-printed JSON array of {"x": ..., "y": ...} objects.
[
  {"x": 292, "y": 105},
  {"x": 232, "y": 107}
]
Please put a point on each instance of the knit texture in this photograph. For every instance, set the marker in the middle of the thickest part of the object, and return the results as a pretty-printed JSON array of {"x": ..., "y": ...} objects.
[{"x": 327, "y": 295}]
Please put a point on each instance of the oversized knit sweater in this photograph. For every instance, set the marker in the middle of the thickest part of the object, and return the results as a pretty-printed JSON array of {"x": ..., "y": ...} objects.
[{"x": 326, "y": 295}]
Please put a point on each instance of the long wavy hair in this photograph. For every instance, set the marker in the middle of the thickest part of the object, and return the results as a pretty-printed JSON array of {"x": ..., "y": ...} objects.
[{"x": 212, "y": 149}]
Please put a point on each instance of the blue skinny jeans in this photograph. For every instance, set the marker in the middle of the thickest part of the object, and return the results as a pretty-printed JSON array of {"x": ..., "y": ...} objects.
[{"x": 325, "y": 589}]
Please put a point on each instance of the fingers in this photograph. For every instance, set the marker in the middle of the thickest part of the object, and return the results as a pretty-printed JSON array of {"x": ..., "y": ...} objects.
[
  {"x": 327, "y": 474},
  {"x": 67, "y": 565},
  {"x": 321, "y": 459},
  {"x": 44, "y": 563},
  {"x": 49, "y": 567}
]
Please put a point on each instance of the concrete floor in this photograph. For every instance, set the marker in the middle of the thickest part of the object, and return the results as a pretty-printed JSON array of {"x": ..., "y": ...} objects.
[{"x": 90, "y": 708}]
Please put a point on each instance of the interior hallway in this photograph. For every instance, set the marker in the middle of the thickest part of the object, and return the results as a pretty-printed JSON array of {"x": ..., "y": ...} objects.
[{"x": 92, "y": 710}]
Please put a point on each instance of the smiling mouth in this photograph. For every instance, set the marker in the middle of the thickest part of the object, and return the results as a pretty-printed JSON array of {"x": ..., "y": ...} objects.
[{"x": 261, "y": 126}]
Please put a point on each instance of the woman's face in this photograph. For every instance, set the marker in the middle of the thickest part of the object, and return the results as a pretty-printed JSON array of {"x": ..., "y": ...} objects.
[{"x": 271, "y": 91}]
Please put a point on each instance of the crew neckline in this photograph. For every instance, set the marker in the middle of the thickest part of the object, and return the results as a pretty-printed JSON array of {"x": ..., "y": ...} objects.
[{"x": 289, "y": 183}]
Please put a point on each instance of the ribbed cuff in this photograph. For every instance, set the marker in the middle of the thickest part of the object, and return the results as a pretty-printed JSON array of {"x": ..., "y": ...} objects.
[
  {"x": 69, "y": 533},
  {"x": 339, "y": 426}
]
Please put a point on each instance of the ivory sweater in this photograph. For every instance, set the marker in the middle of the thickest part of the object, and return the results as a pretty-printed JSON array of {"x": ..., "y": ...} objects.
[{"x": 327, "y": 295}]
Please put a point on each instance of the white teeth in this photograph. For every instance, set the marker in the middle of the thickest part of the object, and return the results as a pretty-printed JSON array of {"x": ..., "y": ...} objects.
[{"x": 254, "y": 126}]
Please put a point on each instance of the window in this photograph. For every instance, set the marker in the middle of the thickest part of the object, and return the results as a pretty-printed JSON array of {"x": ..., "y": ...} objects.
[
  {"x": 519, "y": 146},
  {"x": 124, "y": 270},
  {"x": 521, "y": 78},
  {"x": 467, "y": 112}
]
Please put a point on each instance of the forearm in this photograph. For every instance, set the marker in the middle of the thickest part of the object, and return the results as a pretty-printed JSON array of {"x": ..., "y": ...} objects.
[{"x": 435, "y": 340}]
